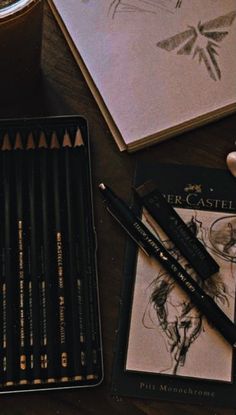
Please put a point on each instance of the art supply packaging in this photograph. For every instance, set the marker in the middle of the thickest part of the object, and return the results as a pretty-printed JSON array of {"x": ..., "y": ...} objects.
[
  {"x": 167, "y": 348},
  {"x": 50, "y": 334}
]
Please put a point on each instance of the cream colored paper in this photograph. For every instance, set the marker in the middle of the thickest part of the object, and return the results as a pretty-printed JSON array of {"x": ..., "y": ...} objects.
[{"x": 148, "y": 89}]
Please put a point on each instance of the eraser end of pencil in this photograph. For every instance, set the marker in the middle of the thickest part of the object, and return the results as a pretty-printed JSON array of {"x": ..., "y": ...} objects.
[{"x": 102, "y": 186}]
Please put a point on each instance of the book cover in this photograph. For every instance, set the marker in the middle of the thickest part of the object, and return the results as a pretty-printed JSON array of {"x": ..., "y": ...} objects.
[
  {"x": 166, "y": 349},
  {"x": 156, "y": 68}
]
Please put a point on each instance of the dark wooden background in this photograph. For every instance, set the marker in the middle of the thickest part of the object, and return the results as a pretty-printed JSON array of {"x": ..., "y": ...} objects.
[{"x": 64, "y": 91}]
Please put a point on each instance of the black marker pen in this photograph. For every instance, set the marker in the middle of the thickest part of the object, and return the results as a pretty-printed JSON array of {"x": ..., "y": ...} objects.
[{"x": 151, "y": 246}]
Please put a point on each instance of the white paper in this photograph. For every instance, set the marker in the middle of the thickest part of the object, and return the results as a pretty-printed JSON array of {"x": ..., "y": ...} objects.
[{"x": 147, "y": 88}]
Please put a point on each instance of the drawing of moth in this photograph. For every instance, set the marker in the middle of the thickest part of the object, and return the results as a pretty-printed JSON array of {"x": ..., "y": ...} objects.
[{"x": 202, "y": 41}]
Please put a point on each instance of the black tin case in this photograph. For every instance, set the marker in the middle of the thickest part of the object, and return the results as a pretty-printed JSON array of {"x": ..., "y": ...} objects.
[{"x": 51, "y": 252}]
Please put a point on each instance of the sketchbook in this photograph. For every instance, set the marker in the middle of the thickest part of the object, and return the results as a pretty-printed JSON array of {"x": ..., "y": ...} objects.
[
  {"x": 165, "y": 348},
  {"x": 156, "y": 68}
]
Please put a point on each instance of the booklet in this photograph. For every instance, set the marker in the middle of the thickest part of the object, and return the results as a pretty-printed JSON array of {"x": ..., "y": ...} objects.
[{"x": 166, "y": 349}]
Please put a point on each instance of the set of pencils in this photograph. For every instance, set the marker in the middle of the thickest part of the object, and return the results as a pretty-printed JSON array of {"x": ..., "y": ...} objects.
[{"x": 48, "y": 305}]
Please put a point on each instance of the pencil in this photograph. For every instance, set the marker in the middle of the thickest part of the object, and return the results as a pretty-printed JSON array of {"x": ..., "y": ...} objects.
[
  {"x": 2, "y": 291},
  {"x": 77, "y": 335},
  {"x": 27, "y": 262},
  {"x": 46, "y": 251},
  {"x": 4, "y": 328},
  {"x": 23, "y": 335},
  {"x": 10, "y": 360},
  {"x": 85, "y": 246},
  {"x": 37, "y": 323},
  {"x": 59, "y": 252}
]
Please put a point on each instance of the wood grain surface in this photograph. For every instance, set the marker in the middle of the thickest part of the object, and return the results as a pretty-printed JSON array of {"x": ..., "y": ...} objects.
[{"x": 64, "y": 91}]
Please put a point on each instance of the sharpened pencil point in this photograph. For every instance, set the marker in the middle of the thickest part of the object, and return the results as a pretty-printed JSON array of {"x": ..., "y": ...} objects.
[
  {"x": 78, "y": 139},
  {"x": 42, "y": 141},
  {"x": 54, "y": 141},
  {"x": 6, "y": 145},
  {"x": 66, "y": 140},
  {"x": 18, "y": 142},
  {"x": 30, "y": 142}
]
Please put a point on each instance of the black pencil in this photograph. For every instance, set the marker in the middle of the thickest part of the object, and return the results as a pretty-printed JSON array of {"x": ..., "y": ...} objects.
[
  {"x": 2, "y": 289},
  {"x": 27, "y": 260},
  {"x": 44, "y": 172},
  {"x": 37, "y": 309},
  {"x": 23, "y": 335},
  {"x": 85, "y": 246},
  {"x": 75, "y": 309},
  {"x": 59, "y": 261},
  {"x": 4, "y": 326},
  {"x": 10, "y": 361}
]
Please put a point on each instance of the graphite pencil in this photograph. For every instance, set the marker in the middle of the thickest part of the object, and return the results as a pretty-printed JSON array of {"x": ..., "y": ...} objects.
[
  {"x": 74, "y": 304},
  {"x": 43, "y": 167},
  {"x": 38, "y": 332},
  {"x": 23, "y": 334},
  {"x": 58, "y": 255},
  {"x": 10, "y": 362},
  {"x": 85, "y": 252},
  {"x": 2, "y": 290}
]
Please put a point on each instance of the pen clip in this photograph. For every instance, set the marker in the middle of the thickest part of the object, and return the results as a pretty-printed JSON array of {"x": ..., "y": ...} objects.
[{"x": 134, "y": 239}]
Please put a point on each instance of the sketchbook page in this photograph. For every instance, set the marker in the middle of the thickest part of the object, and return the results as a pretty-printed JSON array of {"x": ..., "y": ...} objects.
[
  {"x": 156, "y": 63},
  {"x": 167, "y": 334}
]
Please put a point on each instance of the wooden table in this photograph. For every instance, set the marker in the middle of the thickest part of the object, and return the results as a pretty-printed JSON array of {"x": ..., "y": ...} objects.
[{"x": 64, "y": 91}]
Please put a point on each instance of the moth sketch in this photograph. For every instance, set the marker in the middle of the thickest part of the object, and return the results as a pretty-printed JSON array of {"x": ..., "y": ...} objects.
[
  {"x": 202, "y": 41},
  {"x": 180, "y": 322},
  {"x": 143, "y": 6}
]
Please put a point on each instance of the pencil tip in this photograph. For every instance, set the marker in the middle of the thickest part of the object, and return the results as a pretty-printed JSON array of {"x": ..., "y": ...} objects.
[
  {"x": 54, "y": 141},
  {"x": 66, "y": 140},
  {"x": 42, "y": 140},
  {"x": 18, "y": 142},
  {"x": 6, "y": 145},
  {"x": 78, "y": 139},
  {"x": 30, "y": 142}
]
